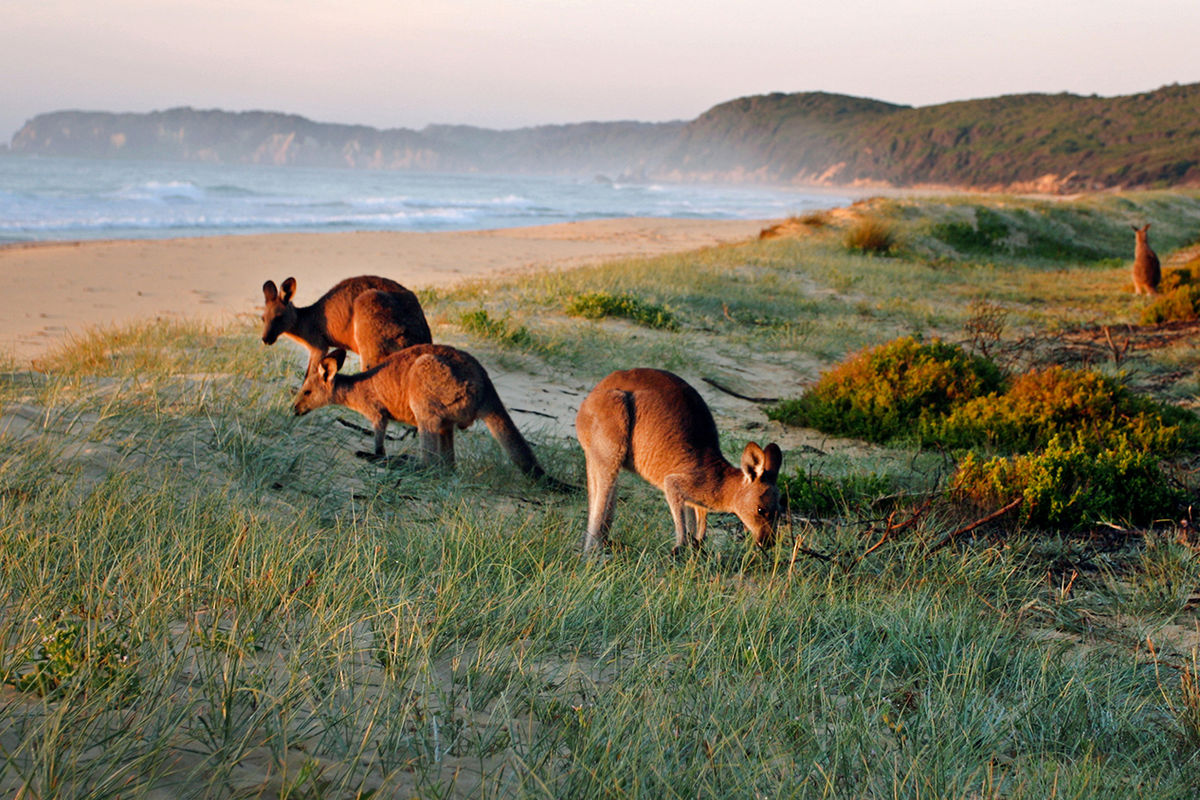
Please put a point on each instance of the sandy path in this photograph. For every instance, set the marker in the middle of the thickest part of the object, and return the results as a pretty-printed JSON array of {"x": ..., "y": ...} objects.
[{"x": 53, "y": 290}]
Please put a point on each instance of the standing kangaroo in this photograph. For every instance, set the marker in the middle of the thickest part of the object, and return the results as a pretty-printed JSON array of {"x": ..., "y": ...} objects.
[
  {"x": 432, "y": 386},
  {"x": 369, "y": 315},
  {"x": 653, "y": 423},
  {"x": 1146, "y": 270}
]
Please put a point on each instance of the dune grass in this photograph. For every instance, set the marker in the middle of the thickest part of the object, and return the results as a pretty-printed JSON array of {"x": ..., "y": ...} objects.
[{"x": 222, "y": 601}]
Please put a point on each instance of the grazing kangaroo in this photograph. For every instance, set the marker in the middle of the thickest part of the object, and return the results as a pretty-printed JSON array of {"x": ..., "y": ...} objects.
[
  {"x": 432, "y": 386},
  {"x": 653, "y": 423},
  {"x": 369, "y": 315},
  {"x": 1146, "y": 270}
]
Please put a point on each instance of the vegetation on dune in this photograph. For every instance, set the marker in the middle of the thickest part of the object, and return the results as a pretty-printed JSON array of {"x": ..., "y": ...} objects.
[
  {"x": 1179, "y": 296},
  {"x": 205, "y": 596},
  {"x": 889, "y": 391},
  {"x": 1074, "y": 445},
  {"x": 598, "y": 305}
]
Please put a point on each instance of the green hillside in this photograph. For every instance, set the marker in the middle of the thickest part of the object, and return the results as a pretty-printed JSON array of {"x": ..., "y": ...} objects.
[
  {"x": 1051, "y": 143},
  {"x": 1150, "y": 139}
]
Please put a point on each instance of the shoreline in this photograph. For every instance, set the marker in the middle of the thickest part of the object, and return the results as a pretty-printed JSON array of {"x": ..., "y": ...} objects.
[{"x": 54, "y": 290}]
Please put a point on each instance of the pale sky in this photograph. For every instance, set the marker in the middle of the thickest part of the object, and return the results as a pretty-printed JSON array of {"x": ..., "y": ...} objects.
[{"x": 513, "y": 63}]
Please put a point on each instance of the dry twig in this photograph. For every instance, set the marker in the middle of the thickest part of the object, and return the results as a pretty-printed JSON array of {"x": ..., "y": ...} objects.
[
  {"x": 713, "y": 383},
  {"x": 950, "y": 537}
]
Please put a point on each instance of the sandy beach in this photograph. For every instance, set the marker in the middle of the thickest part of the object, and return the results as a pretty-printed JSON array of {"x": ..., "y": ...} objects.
[{"x": 53, "y": 291}]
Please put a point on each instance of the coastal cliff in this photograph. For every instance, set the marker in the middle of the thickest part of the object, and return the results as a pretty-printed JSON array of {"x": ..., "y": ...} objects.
[{"x": 1033, "y": 142}]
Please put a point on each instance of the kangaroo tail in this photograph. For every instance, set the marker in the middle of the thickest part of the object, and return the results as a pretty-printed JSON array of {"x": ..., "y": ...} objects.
[{"x": 498, "y": 421}]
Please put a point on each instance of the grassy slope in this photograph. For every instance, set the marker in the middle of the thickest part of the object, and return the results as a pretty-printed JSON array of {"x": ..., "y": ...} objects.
[{"x": 298, "y": 623}]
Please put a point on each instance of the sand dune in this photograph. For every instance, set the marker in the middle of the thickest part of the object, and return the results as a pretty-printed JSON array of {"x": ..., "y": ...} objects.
[{"x": 52, "y": 291}]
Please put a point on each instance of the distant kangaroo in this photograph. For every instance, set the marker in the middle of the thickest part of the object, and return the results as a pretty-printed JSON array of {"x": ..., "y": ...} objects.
[
  {"x": 432, "y": 386},
  {"x": 369, "y": 315},
  {"x": 1146, "y": 270},
  {"x": 653, "y": 423}
]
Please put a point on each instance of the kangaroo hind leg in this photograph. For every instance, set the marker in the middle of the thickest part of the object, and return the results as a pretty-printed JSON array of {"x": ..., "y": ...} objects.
[{"x": 604, "y": 427}]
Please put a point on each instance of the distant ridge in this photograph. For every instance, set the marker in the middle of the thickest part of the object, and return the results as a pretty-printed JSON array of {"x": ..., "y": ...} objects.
[{"x": 1030, "y": 142}]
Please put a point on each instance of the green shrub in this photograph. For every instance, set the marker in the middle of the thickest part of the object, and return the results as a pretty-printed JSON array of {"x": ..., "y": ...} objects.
[
  {"x": 1041, "y": 404},
  {"x": 884, "y": 393},
  {"x": 503, "y": 330},
  {"x": 598, "y": 305},
  {"x": 1187, "y": 275},
  {"x": 1177, "y": 305},
  {"x": 1072, "y": 482},
  {"x": 870, "y": 235},
  {"x": 984, "y": 235},
  {"x": 72, "y": 656},
  {"x": 1179, "y": 296}
]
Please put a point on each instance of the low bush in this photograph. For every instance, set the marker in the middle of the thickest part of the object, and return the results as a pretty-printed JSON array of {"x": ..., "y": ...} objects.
[
  {"x": 870, "y": 235},
  {"x": 884, "y": 393},
  {"x": 75, "y": 657},
  {"x": 1179, "y": 296},
  {"x": 1077, "y": 446},
  {"x": 598, "y": 305},
  {"x": 1039, "y": 405},
  {"x": 983, "y": 236},
  {"x": 1187, "y": 275},
  {"x": 502, "y": 330},
  {"x": 1074, "y": 481}
]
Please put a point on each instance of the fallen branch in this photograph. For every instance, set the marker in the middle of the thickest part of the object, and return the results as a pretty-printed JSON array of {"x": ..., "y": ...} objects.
[
  {"x": 404, "y": 432},
  {"x": 893, "y": 528},
  {"x": 535, "y": 413},
  {"x": 950, "y": 537},
  {"x": 713, "y": 383}
]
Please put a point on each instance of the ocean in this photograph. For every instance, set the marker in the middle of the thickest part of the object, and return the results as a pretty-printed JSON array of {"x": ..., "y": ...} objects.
[{"x": 63, "y": 199}]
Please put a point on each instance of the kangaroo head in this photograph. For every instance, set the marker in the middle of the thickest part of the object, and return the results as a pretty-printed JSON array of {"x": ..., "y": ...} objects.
[
  {"x": 1140, "y": 233},
  {"x": 279, "y": 315},
  {"x": 317, "y": 389},
  {"x": 757, "y": 500}
]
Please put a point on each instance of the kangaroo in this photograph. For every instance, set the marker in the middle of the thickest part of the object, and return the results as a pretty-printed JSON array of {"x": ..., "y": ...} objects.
[
  {"x": 432, "y": 386},
  {"x": 368, "y": 315},
  {"x": 656, "y": 425},
  {"x": 1146, "y": 270}
]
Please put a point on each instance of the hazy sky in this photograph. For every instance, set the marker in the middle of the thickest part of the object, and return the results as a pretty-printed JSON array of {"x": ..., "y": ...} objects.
[{"x": 511, "y": 63}]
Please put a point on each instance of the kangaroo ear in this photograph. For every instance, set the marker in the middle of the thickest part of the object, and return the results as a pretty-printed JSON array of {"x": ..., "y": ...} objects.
[
  {"x": 754, "y": 462},
  {"x": 270, "y": 292},
  {"x": 1146, "y": 227},
  {"x": 1135, "y": 227},
  {"x": 329, "y": 365},
  {"x": 773, "y": 462},
  {"x": 289, "y": 288}
]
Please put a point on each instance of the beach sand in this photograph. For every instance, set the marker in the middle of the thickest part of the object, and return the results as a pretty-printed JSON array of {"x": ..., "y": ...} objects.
[{"x": 53, "y": 291}]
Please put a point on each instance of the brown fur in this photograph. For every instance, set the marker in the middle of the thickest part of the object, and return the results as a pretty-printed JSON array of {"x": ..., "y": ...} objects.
[
  {"x": 1146, "y": 270},
  {"x": 434, "y": 387},
  {"x": 368, "y": 315},
  {"x": 654, "y": 424}
]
